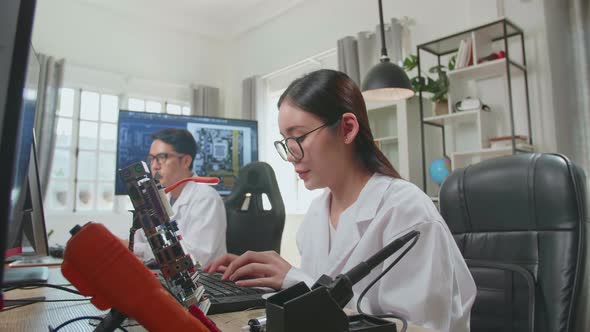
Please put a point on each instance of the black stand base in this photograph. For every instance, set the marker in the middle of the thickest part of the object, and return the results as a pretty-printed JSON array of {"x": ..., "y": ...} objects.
[
  {"x": 111, "y": 321},
  {"x": 300, "y": 309}
]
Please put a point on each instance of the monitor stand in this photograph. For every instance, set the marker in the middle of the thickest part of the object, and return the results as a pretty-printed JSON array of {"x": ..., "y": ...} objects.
[
  {"x": 24, "y": 275},
  {"x": 30, "y": 261},
  {"x": 13, "y": 277}
]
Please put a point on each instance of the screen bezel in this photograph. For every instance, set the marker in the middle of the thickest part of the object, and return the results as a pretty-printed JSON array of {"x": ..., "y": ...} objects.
[{"x": 23, "y": 12}]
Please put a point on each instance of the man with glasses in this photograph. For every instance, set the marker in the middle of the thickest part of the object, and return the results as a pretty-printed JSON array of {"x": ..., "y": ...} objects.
[{"x": 198, "y": 208}]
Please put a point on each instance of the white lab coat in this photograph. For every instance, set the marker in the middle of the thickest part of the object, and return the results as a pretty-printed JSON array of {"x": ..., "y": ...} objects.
[
  {"x": 431, "y": 286},
  {"x": 200, "y": 214}
]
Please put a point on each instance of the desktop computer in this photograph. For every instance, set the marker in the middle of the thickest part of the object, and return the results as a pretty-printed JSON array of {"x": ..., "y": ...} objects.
[
  {"x": 31, "y": 264},
  {"x": 21, "y": 209},
  {"x": 223, "y": 145}
]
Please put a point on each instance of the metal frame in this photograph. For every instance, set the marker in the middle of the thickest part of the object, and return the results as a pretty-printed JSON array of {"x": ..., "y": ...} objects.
[{"x": 427, "y": 47}]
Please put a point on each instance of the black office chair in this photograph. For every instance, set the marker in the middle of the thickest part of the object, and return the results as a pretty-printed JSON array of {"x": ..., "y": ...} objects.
[
  {"x": 251, "y": 226},
  {"x": 520, "y": 223}
]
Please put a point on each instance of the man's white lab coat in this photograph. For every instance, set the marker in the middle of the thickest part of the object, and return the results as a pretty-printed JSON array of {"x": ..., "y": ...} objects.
[{"x": 200, "y": 214}]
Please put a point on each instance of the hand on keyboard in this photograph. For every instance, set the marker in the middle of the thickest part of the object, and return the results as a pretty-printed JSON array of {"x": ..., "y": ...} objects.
[
  {"x": 266, "y": 269},
  {"x": 226, "y": 296}
]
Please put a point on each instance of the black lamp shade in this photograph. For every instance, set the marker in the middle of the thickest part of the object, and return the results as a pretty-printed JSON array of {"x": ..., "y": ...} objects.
[{"x": 386, "y": 82}]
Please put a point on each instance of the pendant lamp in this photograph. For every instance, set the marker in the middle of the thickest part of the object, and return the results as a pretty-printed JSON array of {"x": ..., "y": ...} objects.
[{"x": 386, "y": 81}]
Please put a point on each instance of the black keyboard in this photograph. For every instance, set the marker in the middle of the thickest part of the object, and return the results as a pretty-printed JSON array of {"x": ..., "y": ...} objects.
[{"x": 226, "y": 296}]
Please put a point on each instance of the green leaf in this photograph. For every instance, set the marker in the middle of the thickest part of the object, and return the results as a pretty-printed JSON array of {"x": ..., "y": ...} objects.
[
  {"x": 452, "y": 62},
  {"x": 410, "y": 62}
]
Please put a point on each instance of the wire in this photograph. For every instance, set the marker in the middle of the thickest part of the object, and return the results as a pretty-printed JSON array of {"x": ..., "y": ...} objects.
[
  {"x": 199, "y": 179},
  {"x": 24, "y": 302},
  {"x": 399, "y": 317},
  {"x": 81, "y": 318},
  {"x": 16, "y": 306},
  {"x": 38, "y": 285},
  {"x": 62, "y": 300},
  {"x": 74, "y": 320}
]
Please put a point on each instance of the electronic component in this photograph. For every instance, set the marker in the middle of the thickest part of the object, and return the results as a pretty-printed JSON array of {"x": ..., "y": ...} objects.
[
  {"x": 100, "y": 266},
  {"x": 153, "y": 210}
]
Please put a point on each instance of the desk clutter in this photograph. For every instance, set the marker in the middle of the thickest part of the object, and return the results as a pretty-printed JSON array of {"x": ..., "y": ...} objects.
[{"x": 178, "y": 296}]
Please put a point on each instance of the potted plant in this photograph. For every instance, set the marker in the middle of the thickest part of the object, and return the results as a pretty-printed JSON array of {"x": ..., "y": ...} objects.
[{"x": 437, "y": 86}]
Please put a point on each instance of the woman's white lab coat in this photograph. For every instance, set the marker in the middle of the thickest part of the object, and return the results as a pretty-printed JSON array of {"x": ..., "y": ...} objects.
[
  {"x": 431, "y": 286},
  {"x": 200, "y": 215}
]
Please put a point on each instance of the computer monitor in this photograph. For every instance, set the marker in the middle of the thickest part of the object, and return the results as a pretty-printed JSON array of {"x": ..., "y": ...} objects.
[
  {"x": 19, "y": 70},
  {"x": 31, "y": 264},
  {"x": 223, "y": 145}
]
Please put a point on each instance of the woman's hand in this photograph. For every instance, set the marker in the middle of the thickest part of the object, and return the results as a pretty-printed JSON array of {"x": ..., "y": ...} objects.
[
  {"x": 219, "y": 264},
  {"x": 265, "y": 269}
]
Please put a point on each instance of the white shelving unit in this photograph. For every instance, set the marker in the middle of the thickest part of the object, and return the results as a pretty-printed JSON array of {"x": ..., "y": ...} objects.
[
  {"x": 395, "y": 131},
  {"x": 500, "y": 84}
]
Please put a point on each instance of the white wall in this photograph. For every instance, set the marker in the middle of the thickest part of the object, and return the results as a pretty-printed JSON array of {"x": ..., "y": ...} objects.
[
  {"x": 315, "y": 26},
  {"x": 149, "y": 58},
  {"x": 101, "y": 39},
  {"x": 529, "y": 15},
  {"x": 307, "y": 30}
]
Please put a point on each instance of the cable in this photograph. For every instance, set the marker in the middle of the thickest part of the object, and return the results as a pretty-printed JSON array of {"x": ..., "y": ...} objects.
[
  {"x": 24, "y": 302},
  {"x": 37, "y": 284},
  {"x": 62, "y": 300},
  {"x": 78, "y": 319},
  {"x": 16, "y": 306},
  {"x": 199, "y": 179},
  {"x": 358, "y": 302},
  {"x": 72, "y": 321}
]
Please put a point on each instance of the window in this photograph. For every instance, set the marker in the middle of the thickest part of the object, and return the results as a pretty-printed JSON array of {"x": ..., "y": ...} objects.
[
  {"x": 295, "y": 196},
  {"x": 84, "y": 163},
  {"x": 151, "y": 106},
  {"x": 60, "y": 189}
]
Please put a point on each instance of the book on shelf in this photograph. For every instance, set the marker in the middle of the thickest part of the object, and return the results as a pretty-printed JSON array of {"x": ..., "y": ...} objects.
[{"x": 464, "y": 54}]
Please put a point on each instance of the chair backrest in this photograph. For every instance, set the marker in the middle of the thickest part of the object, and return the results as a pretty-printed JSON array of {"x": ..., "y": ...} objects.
[
  {"x": 520, "y": 219},
  {"x": 249, "y": 225}
]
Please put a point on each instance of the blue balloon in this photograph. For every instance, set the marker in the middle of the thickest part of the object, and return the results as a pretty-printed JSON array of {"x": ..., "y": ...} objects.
[{"x": 440, "y": 169}]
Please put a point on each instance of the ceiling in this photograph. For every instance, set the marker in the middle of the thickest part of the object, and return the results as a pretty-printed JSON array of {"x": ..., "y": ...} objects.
[{"x": 219, "y": 19}]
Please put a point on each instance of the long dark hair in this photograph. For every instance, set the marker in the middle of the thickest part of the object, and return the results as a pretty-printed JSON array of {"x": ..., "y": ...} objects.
[{"x": 328, "y": 94}]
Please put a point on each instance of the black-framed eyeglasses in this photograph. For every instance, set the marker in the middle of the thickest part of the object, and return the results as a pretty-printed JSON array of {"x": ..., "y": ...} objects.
[
  {"x": 292, "y": 145},
  {"x": 161, "y": 158}
]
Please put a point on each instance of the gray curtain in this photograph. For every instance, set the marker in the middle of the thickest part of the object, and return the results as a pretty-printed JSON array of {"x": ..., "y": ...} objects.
[
  {"x": 580, "y": 23},
  {"x": 579, "y": 13},
  {"x": 568, "y": 41},
  {"x": 50, "y": 80},
  {"x": 205, "y": 101},
  {"x": 250, "y": 97},
  {"x": 357, "y": 55},
  {"x": 348, "y": 58}
]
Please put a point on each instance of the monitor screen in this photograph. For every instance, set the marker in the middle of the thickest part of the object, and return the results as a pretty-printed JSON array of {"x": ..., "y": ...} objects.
[
  {"x": 22, "y": 151},
  {"x": 23, "y": 144},
  {"x": 19, "y": 70},
  {"x": 223, "y": 145}
]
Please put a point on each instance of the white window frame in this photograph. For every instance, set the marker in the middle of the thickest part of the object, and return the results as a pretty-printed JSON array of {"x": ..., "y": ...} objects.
[{"x": 120, "y": 204}]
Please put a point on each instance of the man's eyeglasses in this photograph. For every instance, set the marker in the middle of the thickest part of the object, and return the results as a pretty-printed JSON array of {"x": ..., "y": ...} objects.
[
  {"x": 292, "y": 144},
  {"x": 161, "y": 158}
]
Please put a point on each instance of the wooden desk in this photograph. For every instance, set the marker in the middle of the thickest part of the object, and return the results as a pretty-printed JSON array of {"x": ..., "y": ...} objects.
[{"x": 38, "y": 316}]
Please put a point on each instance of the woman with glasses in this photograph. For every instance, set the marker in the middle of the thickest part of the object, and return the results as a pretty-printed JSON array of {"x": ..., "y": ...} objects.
[{"x": 365, "y": 206}]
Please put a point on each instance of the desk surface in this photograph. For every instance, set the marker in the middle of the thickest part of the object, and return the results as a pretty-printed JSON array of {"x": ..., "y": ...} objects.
[{"x": 38, "y": 316}]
